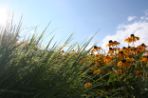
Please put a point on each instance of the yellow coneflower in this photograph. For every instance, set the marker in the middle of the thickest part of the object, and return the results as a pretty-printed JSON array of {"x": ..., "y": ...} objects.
[
  {"x": 120, "y": 64},
  {"x": 111, "y": 51},
  {"x": 115, "y": 43},
  {"x": 141, "y": 48},
  {"x": 130, "y": 60},
  {"x": 93, "y": 68},
  {"x": 88, "y": 85},
  {"x": 128, "y": 40},
  {"x": 95, "y": 50},
  {"x": 121, "y": 54},
  {"x": 123, "y": 63},
  {"x": 144, "y": 59},
  {"x": 96, "y": 72},
  {"x": 134, "y": 38},
  {"x": 143, "y": 45},
  {"x": 131, "y": 39},
  {"x": 107, "y": 59},
  {"x": 125, "y": 51},
  {"x": 129, "y": 51},
  {"x": 119, "y": 71},
  {"x": 110, "y": 43},
  {"x": 133, "y": 51}
]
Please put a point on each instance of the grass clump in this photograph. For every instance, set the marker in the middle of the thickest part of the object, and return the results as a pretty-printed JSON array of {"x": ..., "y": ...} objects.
[{"x": 26, "y": 71}]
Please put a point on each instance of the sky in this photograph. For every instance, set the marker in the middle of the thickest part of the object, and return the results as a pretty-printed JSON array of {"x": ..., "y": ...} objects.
[{"x": 109, "y": 18}]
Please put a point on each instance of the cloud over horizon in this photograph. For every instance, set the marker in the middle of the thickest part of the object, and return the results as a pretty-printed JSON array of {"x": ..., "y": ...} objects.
[
  {"x": 135, "y": 25},
  {"x": 131, "y": 18}
]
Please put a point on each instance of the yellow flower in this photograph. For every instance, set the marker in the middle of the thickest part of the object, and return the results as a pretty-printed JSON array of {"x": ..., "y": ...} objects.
[
  {"x": 110, "y": 43},
  {"x": 93, "y": 68},
  {"x": 141, "y": 48},
  {"x": 115, "y": 43},
  {"x": 128, "y": 40},
  {"x": 121, "y": 54},
  {"x": 144, "y": 59},
  {"x": 123, "y": 63},
  {"x": 96, "y": 72},
  {"x": 111, "y": 51},
  {"x": 95, "y": 50},
  {"x": 120, "y": 64},
  {"x": 131, "y": 39},
  {"x": 143, "y": 45},
  {"x": 130, "y": 60},
  {"x": 88, "y": 85},
  {"x": 119, "y": 72},
  {"x": 107, "y": 59},
  {"x": 134, "y": 38}
]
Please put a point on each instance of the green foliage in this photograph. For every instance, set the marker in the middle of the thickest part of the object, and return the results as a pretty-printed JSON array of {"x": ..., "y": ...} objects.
[
  {"x": 26, "y": 71},
  {"x": 112, "y": 85}
]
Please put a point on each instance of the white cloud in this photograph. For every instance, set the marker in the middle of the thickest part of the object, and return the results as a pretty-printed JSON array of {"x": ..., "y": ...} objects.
[
  {"x": 138, "y": 26},
  {"x": 131, "y": 18},
  {"x": 146, "y": 12}
]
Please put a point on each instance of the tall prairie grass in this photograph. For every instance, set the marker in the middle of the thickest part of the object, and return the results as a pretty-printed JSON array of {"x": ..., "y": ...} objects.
[{"x": 26, "y": 71}]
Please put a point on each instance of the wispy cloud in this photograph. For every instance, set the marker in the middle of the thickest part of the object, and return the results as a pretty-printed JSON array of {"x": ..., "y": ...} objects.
[
  {"x": 135, "y": 25},
  {"x": 131, "y": 18}
]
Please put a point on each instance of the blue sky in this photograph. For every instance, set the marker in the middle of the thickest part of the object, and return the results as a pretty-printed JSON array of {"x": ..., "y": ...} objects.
[{"x": 81, "y": 17}]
